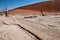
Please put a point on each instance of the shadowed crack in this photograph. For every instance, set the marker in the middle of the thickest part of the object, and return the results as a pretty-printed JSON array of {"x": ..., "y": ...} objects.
[
  {"x": 25, "y": 30},
  {"x": 5, "y": 23},
  {"x": 29, "y": 32},
  {"x": 51, "y": 25}
]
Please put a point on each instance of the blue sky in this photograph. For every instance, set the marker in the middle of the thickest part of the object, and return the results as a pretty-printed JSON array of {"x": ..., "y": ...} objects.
[{"x": 16, "y": 3}]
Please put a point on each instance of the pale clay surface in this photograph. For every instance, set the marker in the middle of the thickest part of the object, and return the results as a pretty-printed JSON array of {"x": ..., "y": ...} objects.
[{"x": 45, "y": 27}]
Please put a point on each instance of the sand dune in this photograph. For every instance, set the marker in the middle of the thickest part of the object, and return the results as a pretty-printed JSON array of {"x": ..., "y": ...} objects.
[{"x": 48, "y": 7}]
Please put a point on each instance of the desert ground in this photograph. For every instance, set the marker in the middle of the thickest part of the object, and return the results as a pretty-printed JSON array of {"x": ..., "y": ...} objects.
[{"x": 21, "y": 27}]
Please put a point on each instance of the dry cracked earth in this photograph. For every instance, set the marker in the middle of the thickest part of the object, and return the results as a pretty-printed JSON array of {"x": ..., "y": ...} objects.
[{"x": 16, "y": 27}]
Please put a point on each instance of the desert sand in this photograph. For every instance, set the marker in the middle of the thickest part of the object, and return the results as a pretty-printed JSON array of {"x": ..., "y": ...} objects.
[{"x": 16, "y": 27}]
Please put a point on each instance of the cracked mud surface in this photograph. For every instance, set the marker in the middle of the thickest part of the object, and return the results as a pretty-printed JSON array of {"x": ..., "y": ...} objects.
[{"x": 40, "y": 28}]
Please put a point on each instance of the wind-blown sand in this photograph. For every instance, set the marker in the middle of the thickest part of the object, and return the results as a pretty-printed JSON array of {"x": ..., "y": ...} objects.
[{"x": 42, "y": 27}]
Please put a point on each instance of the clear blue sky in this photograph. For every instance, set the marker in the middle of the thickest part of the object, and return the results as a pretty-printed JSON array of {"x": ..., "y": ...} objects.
[{"x": 16, "y": 3}]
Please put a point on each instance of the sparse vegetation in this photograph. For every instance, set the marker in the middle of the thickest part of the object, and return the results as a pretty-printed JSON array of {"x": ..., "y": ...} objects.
[
  {"x": 5, "y": 12},
  {"x": 30, "y": 17},
  {"x": 42, "y": 13}
]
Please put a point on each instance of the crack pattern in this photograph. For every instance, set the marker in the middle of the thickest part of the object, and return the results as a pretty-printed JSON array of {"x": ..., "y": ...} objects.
[{"x": 24, "y": 29}]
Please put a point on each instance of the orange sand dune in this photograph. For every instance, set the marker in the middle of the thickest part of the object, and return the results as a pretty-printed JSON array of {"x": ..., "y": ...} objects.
[{"x": 47, "y": 7}]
